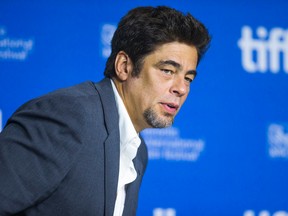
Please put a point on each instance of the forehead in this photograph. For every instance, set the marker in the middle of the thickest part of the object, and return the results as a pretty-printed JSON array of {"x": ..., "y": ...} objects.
[{"x": 185, "y": 55}]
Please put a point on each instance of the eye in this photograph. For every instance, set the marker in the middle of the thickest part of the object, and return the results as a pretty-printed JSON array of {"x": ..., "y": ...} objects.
[
  {"x": 189, "y": 79},
  {"x": 167, "y": 71}
]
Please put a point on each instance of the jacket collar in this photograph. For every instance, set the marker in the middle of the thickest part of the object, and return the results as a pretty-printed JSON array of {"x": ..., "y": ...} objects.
[{"x": 111, "y": 145}]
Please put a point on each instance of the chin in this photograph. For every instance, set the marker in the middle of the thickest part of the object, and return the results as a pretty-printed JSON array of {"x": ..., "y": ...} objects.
[{"x": 155, "y": 120}]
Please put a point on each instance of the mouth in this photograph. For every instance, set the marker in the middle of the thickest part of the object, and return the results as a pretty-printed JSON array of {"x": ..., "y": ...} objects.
[{"x": 170, "y": 107}]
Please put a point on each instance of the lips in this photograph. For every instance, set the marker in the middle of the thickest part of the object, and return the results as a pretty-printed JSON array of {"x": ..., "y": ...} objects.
[{"x": 170, "y": 107}]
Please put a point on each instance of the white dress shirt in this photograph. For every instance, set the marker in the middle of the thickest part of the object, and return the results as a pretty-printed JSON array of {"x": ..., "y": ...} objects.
[{"x": 129, "y": 143}]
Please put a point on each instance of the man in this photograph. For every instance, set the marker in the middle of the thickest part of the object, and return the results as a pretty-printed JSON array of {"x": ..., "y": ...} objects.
[{"x": 76, "y": 151}]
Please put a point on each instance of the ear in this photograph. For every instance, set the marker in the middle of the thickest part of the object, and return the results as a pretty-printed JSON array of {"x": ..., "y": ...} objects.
[{"x": 123, "y": 66}]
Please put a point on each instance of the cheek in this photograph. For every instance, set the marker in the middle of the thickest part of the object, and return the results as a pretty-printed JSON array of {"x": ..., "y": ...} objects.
[
  {"x": 151, "y": 97},
  {"x": 154, "y": 88}
]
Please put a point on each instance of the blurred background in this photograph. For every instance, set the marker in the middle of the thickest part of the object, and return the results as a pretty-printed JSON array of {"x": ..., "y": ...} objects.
[{"x": 227, "y": 152}]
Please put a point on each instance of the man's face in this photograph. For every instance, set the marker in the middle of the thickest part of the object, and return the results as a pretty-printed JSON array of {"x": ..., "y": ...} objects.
[{"x": 155, "y": 96}]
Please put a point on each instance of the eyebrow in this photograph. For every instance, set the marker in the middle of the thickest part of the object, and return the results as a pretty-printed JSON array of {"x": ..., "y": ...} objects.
[{"x": 176, "y": 65}]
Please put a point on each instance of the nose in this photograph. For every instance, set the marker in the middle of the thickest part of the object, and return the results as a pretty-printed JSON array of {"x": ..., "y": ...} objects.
[{"x": 179, "y": 87}]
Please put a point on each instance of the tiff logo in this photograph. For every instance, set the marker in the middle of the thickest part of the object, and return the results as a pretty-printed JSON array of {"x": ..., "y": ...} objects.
[
  {"x": 164, "y": 212},
  {"x": 264, "y": 53}
]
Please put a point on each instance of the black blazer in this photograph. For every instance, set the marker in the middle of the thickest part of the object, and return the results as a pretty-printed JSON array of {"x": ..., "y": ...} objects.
[{"x": 59, "y": 155}]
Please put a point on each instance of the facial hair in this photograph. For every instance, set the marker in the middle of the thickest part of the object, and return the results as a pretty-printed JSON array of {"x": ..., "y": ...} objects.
[{"x": 155, "y": 121}]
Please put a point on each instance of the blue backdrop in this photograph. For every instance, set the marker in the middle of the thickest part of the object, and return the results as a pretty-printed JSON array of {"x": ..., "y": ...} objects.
[{"x": 227, "y": 152}]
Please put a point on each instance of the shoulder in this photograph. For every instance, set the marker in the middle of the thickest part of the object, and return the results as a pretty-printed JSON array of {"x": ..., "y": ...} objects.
[
  {"x": 58, "y": 114},
  {"x": 76, "y": 93},
  {"x": 77, "y": 99}
]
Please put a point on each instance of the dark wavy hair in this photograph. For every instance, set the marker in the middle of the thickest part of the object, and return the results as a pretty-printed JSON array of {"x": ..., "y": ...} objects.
[{"x": 143, "y": 29}]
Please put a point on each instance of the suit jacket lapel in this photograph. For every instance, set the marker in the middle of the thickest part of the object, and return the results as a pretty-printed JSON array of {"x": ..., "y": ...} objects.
[
  {"x": 112, "y": 145},
  {"x": 132, "y": 189}
]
